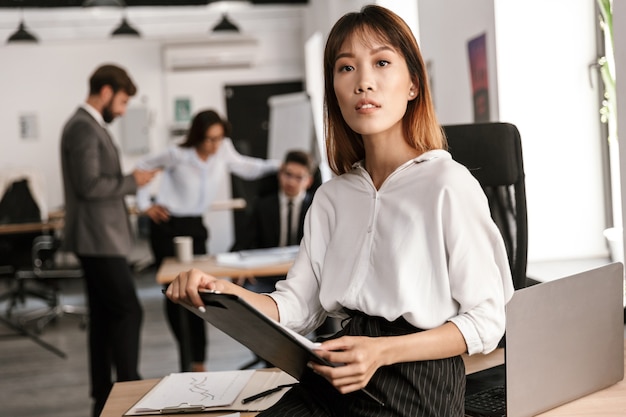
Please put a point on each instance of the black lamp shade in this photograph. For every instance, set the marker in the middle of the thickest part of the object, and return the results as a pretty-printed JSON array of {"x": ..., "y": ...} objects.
[
  {"x": 104, "y": 3},
  {"x": 225, "y": 25},
  {"x": 22, "y": 35},
  {"x": 125, "y": 29}
]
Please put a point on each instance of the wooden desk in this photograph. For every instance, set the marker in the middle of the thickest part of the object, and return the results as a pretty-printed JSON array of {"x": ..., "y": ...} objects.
[
  {"x": 171, "y": 267},
  {"x": 609, "y": 402},
  {"x": 17, "y": 228}
]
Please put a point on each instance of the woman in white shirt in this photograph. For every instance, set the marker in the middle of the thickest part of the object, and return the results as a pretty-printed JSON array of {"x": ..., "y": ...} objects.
[
  {"x": 192, "y": 172},
  {"x": 400, "y": 244}
]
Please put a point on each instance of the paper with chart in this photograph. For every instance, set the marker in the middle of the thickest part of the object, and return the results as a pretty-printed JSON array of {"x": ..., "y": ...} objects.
[{"x": 196, "y": 390}]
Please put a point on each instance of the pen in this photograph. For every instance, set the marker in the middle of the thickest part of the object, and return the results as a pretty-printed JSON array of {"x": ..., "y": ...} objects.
[
  {"x": 373, "y": 397},
  {"x": 266, "y": 393}
]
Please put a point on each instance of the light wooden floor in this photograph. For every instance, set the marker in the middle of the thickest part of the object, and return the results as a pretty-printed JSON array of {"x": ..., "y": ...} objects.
[{"x": 36, "y": 382}]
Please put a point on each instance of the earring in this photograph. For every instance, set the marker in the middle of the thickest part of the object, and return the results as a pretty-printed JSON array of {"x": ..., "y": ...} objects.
[{"x": 411, "y": 93}]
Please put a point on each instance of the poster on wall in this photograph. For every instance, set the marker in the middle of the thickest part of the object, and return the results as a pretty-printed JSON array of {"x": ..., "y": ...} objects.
[
  {"x": 182, "y": 110},
  {"x": 29, "y": 127},
  {"x": 477, "y": 50}
]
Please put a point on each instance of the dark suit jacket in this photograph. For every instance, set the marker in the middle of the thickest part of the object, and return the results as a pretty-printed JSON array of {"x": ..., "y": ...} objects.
[
  {"x": 96, "y": 217},
  {"x": 264, "y": 228}
]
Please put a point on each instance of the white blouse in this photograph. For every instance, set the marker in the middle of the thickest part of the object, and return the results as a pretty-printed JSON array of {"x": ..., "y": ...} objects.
[
  {"x": 188, "y": 184},
  {"x": 422, "y": 247}
]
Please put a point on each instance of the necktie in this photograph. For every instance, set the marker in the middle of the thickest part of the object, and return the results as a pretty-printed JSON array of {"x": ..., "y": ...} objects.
[{"x": 290, "y": 238}]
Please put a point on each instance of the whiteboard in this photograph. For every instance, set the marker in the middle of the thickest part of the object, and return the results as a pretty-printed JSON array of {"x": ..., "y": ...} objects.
[{"x": 290, "y": 124}]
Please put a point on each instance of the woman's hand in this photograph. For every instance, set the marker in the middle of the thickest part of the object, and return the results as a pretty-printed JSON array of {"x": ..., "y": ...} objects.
[
  {"x": 158, "y": 213},
  {"x": 361, "y": 355},
  {"x": 186, "y": 285}
]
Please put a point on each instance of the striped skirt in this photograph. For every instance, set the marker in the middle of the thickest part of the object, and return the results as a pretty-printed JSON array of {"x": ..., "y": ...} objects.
[{"x": 425, "y": 388}]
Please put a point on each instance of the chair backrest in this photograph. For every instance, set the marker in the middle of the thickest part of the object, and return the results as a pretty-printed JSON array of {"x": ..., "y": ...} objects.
[
  {"x": 43, "y": 251},
  {"x": 17, "y": 205},
  {"x": 493, "y": 154}
]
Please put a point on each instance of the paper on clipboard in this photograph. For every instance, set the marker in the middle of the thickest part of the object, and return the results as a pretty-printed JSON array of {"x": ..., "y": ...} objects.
[
  {"x": 193, "y": 391},
  {"x": 172, "y": 386}
]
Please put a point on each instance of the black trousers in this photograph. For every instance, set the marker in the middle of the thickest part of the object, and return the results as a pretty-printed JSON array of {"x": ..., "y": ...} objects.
[
  {"x": 189, "y": 329},
  {"x": 425, "y": 388},
  {"x": 115, "y": 316}
]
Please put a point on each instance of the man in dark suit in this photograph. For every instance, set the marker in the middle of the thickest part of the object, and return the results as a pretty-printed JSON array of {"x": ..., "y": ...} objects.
[
  {"x": 97, "y": 229},
  {"x": 273, "y": 223}
]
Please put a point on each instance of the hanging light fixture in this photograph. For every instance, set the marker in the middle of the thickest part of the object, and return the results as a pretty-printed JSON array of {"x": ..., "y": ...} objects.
[
  {"x": 225, "y": 25},
  {"x": 104, "y": 3},
  {"x": 21, "y": 34},
  {"x": 125, "y": 29}
]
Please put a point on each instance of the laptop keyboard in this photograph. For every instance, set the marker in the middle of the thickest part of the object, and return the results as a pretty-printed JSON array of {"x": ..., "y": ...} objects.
[{"x": 490, "y": 402}]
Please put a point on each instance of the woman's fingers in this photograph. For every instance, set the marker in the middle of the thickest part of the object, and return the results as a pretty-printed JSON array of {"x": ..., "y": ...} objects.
[
  {"x": 186, "y": 285},
  {"x": 359, "y": 356}
]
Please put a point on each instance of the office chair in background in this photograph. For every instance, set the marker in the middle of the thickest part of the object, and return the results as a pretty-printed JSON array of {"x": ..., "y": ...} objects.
[
  {"x": 42, "y": 280},
  {"x": 493, "y": 154}
]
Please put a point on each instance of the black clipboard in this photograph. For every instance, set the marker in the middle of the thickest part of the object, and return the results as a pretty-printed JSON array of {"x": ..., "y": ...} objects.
[
  {"x": 268, "y": 339},
  {"x": 259, "y": 333}
]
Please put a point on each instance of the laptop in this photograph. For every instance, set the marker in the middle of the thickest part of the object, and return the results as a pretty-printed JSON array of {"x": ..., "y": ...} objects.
[{"x": 564, "y": 340}]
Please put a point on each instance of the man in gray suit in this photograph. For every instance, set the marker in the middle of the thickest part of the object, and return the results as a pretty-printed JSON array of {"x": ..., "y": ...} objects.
[{"x": 97, "y": 229}]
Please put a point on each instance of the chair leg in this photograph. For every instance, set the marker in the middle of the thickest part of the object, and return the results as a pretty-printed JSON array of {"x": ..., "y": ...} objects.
[
  {"x": 50, "y": 294},
  {"x": 25, "y": 332},
  {"x": 42, "y": 317}
]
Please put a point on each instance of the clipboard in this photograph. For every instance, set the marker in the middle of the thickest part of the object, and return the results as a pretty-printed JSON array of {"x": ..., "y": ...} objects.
[
  {"x": 271, "y": 341},
  {"x": 267, "y": 338}
]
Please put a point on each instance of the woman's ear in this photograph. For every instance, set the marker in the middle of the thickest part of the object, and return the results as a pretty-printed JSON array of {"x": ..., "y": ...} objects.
[{"x": 412, "y": 91}]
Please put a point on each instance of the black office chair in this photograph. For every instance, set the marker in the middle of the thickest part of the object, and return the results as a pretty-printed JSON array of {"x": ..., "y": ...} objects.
[
  {"x": 493, "y": 154},
  {"x": 42, "y": 281}
]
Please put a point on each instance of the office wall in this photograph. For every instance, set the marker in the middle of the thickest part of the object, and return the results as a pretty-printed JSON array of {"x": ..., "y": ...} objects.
[
  {"x": 538, "y": 54},
  {"x": 49, "y": 80},
  {"x": 445, "y": 28}
]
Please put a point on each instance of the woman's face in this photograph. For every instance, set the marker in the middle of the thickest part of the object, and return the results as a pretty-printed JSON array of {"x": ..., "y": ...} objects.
[
  {"x": 213, "y": 138},
  {"x": 372, "y": 85}
]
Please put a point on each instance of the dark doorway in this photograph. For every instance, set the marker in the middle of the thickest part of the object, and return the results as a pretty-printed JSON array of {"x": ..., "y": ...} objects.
[{"x": 249, "y": 114}]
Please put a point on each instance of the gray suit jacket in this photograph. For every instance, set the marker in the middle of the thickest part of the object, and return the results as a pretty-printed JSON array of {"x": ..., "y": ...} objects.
[{"x": 96, "y": 217}]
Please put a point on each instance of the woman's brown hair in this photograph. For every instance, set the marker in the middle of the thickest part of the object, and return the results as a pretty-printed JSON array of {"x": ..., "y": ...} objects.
[
  {"x": 199, "y": 125},
  {"x": 422, "y": 131}
]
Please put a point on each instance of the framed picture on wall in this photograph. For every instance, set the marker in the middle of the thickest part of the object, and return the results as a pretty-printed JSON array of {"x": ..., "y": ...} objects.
[
  {"x": 182, "y": 110},
  {"x": 477, "y": 50}
]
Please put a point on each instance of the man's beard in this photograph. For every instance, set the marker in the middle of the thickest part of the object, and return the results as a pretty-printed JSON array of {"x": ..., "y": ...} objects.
[{"x": 107, "y": 112}]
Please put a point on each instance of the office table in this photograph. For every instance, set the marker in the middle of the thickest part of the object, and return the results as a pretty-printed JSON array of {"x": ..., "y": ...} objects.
[
  {"x": 609, "y": 402},
  {"x": 55, "y": 221},
  {"x": 172, "y": 267}
]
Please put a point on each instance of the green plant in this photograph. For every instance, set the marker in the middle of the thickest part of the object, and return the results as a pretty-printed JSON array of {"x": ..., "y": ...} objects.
[{"x": 607, "y": 68}]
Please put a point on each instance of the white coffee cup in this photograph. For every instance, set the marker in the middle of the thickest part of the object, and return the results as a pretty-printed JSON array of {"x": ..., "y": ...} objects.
[{"x": 183, "y": 246}]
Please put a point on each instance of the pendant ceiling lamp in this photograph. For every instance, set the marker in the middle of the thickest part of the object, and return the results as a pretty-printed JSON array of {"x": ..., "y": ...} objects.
[
  {"x": 22, "y": 35},
  {"x": 104, "y": 3},
  {"x": 125, "y": 29},
  {"x": 225, "y": 25}
]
